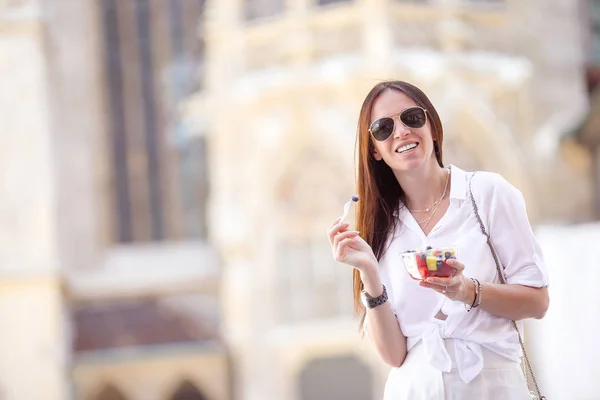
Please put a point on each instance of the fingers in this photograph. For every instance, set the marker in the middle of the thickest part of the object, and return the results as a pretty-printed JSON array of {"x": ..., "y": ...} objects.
[
  {"x": 454, "y": 263},
  {"x": 342, "y": 249},
  {"x": 340, "y": 252},
  {"x": 337, "y": 240},
  {"x": 343, "y": 235},
  {"x": 437, "y": 288},
  {"x": 456, "y": 277},
  {"x": 443, "y": 281},
  {"x": 337, "y": 221},
  {"x": 450, "y": 286},
  {"x": 337, "y": 227},
  {"x": 449, "y": 291}
]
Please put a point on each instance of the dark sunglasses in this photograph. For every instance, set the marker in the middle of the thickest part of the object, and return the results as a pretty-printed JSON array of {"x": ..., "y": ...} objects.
[{"x": 413, "y": 117}]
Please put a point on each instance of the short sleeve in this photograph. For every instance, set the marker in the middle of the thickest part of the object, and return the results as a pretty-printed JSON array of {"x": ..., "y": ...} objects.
[{"x": 517, "y": 248}]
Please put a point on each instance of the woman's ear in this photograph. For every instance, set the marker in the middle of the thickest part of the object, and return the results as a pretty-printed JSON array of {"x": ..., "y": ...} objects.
[{"x": 376, "y": 155}]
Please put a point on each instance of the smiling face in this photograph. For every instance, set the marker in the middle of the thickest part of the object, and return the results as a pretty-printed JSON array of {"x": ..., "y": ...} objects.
[{"x": 407, "y": 148}]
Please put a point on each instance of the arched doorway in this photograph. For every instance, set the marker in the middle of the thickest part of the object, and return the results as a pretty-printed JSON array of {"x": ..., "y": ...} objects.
[
  {"x": 110, "y": 392},
  {"x": 338, "y": 377},
  {"x": 187, "y": 391}
]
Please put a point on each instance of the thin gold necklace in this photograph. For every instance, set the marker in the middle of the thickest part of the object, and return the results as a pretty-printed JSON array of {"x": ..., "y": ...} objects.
[
  {"x": 438, "y": 201},
  {"x": 428, "y": 219}
]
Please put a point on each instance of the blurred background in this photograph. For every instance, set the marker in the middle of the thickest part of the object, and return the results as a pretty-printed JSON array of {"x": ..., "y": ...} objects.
[{"x": 168, "y": 170}]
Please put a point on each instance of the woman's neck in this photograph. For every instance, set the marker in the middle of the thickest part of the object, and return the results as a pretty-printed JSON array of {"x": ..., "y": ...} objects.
[{"x": 424, "y": 186}]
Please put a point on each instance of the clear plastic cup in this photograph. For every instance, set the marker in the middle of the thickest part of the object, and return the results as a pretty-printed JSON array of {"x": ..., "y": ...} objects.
[{"x": 425, "y": 263}]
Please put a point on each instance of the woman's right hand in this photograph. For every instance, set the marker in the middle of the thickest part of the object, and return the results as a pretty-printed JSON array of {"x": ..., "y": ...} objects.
[{"x": 349, "y": 248}]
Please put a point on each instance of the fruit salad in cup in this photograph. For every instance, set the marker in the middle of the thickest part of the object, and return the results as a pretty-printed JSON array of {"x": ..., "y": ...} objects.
[{"x": 431, "y": 261}]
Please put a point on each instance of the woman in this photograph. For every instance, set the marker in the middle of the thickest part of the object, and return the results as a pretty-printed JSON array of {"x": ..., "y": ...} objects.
[{"x": 446, "y": 338}]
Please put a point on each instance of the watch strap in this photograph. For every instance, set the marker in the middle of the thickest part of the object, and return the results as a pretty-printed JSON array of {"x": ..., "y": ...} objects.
[{"x": 372, "y": 302}]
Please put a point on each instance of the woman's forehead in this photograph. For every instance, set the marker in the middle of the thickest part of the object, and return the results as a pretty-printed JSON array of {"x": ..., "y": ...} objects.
[{"x": 390, "y": 102}]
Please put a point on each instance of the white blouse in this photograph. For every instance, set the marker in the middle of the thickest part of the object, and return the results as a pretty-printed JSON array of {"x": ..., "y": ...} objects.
[{"x": 502, "y": 209}]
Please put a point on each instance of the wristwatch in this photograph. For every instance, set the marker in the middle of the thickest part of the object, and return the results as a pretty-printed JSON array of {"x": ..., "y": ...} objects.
[{"x": 372, "y": 302}]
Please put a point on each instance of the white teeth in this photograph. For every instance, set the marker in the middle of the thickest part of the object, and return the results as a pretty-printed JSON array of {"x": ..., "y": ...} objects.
[{"x": 406, "y": 148}]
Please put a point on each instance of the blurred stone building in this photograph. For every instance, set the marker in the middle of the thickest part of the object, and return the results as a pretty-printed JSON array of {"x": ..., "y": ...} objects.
[
  {"x": 169, "y": 169},
  {"x": 108, "y": 284}
]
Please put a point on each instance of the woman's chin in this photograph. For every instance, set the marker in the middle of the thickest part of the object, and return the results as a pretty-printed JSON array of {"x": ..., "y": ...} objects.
[{"x": 408, "y": 165}]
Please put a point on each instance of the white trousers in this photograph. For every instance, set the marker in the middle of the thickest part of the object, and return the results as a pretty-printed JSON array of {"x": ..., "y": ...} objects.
[{"x": 416, "y": 379}]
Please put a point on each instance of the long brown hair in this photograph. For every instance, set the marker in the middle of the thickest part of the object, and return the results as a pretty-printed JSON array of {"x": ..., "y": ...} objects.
[{"x": 379, "y": 191}]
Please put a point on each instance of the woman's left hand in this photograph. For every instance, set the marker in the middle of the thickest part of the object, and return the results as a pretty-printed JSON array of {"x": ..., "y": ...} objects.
[{"x": 455, "y": 287}]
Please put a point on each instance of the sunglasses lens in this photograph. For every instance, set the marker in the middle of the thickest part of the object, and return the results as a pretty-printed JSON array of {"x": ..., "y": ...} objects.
[
  {"x": 413, "y": 117},
  {"x": 382, "y": 128}
]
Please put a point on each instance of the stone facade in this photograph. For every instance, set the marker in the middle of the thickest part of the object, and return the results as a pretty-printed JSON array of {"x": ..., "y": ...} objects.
[
  {"x": 60, "y": 264},
  {"x": 32, "y": 311},
  {"x": 281, "y": 88}
]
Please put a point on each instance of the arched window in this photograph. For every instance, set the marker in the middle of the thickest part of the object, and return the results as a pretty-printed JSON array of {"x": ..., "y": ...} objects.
[
  {"x": 187, "y": 391},
  {"x": 156, "y": 171},
  {"x": 339, "y": 377},
  {"x": 110, "y": 392}
]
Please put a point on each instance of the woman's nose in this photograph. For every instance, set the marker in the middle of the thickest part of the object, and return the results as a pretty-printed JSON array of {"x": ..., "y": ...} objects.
[{"x": 400, "y": 129}]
